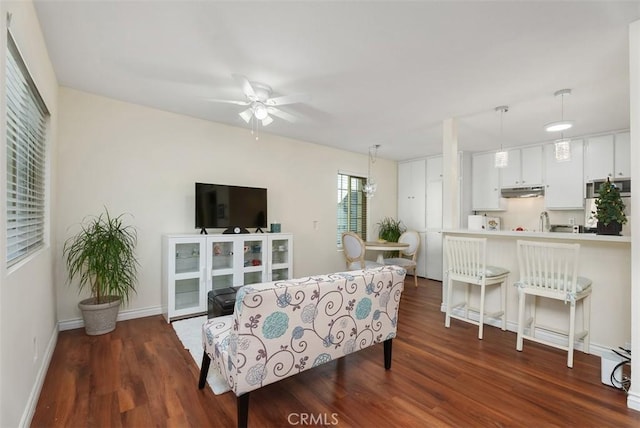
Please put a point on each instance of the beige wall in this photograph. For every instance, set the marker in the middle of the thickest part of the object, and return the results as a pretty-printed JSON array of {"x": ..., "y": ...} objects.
[
  {"x": 143, "y": 161},
  {"x": 28, "y": 328}
]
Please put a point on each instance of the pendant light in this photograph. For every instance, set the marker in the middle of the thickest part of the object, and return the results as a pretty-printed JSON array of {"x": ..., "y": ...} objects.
[
  {"x": 501, "y": 159},
  {"x": 563, "y": 149},
  {"x": 562, "y": 124},
  {"x": 370, "y": 187}
]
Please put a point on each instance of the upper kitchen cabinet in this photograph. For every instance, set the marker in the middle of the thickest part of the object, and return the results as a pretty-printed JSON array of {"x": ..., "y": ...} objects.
[
  {"x": 607, "y": 156},
  {"x": 412, "y": 194},
  {"x": 564, "y": 186},
  {"x": 485, "y": 181},
  {"x": 524, "y": 168},
  {"x": 622, "y": 155}
]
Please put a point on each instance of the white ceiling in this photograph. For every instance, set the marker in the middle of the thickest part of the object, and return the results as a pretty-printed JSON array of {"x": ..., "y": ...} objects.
[{"x": 384, "y": 72}]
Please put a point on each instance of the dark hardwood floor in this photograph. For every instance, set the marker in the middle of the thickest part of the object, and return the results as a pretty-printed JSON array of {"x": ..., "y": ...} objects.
[{"x": 140, "y": 376}]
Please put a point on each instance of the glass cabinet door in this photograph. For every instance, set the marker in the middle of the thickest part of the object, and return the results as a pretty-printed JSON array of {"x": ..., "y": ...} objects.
[
  {"x": 222, "y": 262},
  {"x": 187, "y": 290},
  {"x": 253, "y": 261},
  {"x": 281, "y": 254}
]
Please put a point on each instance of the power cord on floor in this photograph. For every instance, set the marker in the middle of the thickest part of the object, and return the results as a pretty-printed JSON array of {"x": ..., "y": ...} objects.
[{"x": 625, "y": 382}]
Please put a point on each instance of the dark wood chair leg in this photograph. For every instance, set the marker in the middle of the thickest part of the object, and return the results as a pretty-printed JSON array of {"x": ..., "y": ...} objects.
[
  {"x": 243, "y": 410},
  {"x": 204, "y": 370},
  {"x": 387, "y": 354}
]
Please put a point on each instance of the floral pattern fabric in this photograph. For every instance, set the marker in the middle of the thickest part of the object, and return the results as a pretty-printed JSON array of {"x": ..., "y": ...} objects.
[{"x": 282, "y": 328}]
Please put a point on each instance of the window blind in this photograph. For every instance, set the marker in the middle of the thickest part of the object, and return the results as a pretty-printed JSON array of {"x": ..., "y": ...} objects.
[
  {"x": 27, "y": 118},
  {"x": 351, "y": 207}
]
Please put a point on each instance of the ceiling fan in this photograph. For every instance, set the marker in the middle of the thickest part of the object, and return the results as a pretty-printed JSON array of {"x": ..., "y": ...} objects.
[{"x": 259, "y": 102}]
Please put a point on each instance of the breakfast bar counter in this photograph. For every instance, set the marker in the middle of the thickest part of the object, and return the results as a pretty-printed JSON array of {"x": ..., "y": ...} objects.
[{"x": 606, "y": 260}]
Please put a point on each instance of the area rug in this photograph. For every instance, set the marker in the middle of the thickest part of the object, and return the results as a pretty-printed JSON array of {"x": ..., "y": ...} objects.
[{"x": 189, "y": 332}]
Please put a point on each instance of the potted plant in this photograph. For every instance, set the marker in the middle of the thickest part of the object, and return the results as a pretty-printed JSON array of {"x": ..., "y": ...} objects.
[
  {"x": 101, "y": 256},
  {"x": 390, "y": 229},
  {"x": 609, "y": 210}
]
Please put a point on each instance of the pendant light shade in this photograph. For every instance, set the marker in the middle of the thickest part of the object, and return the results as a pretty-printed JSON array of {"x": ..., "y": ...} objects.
[
  {"x": 563, "y": 150},
  {"x": 501, "y": 159},
  {"x": 562, "y": 124}
]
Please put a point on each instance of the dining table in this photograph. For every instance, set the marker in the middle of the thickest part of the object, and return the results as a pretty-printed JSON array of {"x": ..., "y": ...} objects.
[{"x": 382, "y": 246}]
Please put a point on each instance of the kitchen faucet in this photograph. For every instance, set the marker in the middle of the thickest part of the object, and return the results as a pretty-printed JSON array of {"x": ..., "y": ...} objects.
[{"x": 544, "y": 222}]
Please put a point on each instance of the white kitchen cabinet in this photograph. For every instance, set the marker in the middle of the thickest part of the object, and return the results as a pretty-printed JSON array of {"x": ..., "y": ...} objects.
[
  {"x": 523, "y": 169},
  {"x": 622, "y": 155},
  {"x": 607, "y": 156},
  {"x": 434, "y": 168},
  {"x": 598, "y": 158},
  {"x": 195, "y": 264},
  {"x": 564, "y": 186},
  {"x": 432, "y": 249},
  {"x": 434, "y": 193},
  {"x": 434, "y": 255},
  {"x": 485, "y": 194},
  {"x": 411, "y": 194}
]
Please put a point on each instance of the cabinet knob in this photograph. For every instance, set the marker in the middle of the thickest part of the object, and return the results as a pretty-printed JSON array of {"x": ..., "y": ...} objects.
[{"x": 619, "y": 173}]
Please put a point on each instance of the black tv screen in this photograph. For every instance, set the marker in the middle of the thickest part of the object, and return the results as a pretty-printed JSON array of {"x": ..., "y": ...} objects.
[{"x": 222, "y": 206}]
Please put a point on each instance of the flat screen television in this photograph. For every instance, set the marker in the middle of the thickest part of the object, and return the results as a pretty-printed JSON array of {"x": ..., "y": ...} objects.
[{"x": 234, "y": 208}]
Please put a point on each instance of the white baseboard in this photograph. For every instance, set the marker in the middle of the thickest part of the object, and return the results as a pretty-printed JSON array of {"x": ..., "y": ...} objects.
[
  {"x": 32, "y": 402},
  {"x": 122, "y": 316},
  {"x": 594, "y": 348},
  {"x": 633, "y": 400}
]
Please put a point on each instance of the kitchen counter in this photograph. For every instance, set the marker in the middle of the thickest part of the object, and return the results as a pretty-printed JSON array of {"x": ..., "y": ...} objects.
[
  {"x": 606, "y": 260},
  {"x": 543, "y": 235}
]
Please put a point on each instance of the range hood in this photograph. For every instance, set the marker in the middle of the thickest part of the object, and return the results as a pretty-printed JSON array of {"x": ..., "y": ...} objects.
[{"x": 523, "y": 192}]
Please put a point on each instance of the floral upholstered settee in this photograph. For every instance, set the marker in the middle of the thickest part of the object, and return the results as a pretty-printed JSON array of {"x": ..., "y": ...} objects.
[{"x": 282, "y": 328}]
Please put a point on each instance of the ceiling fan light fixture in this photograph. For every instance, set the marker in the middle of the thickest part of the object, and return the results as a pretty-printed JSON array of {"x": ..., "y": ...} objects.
[
  {"x": 246, "y": 115},
  {"x": 266, "y": 121},
  {"x": 260, "y": 111}
]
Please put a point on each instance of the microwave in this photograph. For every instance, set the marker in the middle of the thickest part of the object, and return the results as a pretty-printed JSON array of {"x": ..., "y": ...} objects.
[{"x": 623, "y": 185}]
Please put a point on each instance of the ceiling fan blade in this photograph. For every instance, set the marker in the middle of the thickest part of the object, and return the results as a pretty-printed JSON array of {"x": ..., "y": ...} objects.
[
  {"x": 240, "y": 103},
  {"x": 267, "y": 120},
  {"x": 244, "y": 83},
  {"x": 247, "y": 114},
  {"x": 288, "y": 99},
  {"x": 282, "y": 114}
]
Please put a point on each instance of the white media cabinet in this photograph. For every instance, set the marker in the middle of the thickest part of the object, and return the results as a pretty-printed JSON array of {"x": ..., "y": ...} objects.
[{"x": 192, "y": 265}]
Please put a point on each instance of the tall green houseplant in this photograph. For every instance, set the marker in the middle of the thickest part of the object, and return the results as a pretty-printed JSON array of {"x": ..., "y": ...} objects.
[
  {"x": 101, "y": 256},
  {"x": 609, "y": 209}
]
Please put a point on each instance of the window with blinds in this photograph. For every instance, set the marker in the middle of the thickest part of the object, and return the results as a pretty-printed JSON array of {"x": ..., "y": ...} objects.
[
  {"x": 27, "y": 118},
  {"x": 352, "y": 207}
]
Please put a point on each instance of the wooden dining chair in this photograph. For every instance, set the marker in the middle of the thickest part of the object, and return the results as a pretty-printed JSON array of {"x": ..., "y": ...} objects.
[
  {"x": 407, "y": 258},
  {"x": 354, "y": 250}
]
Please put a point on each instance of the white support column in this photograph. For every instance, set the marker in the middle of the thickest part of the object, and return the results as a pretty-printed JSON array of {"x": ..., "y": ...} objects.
[
  {"x": 450, "y": 174},
  {"x": 633, "y": 397}
]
